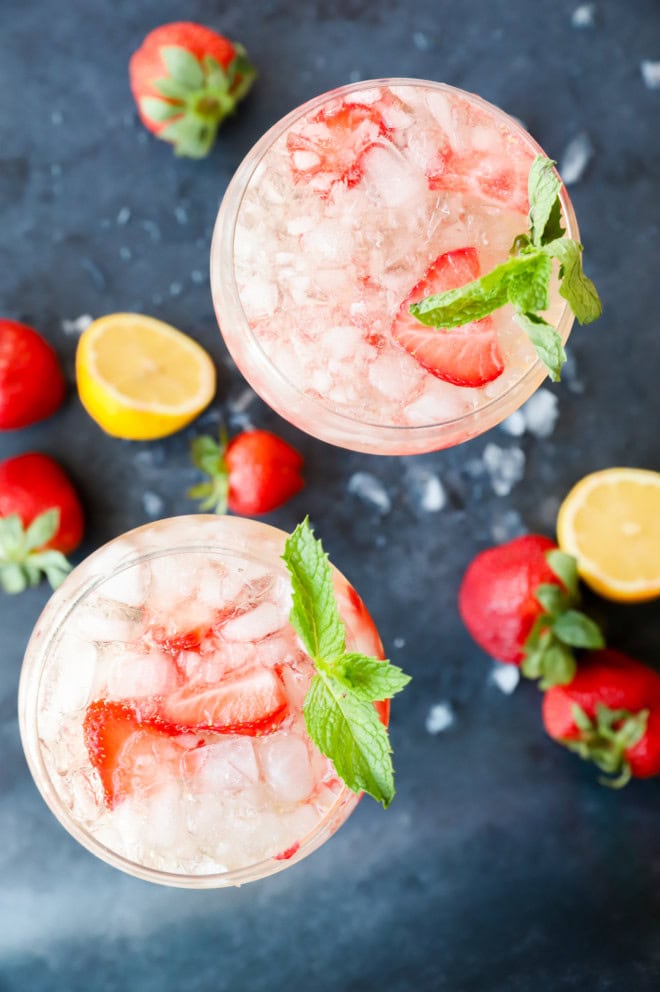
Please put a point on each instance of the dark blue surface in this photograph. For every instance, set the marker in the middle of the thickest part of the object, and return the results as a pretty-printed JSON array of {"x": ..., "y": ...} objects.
[{"x": 502, "y": 865}]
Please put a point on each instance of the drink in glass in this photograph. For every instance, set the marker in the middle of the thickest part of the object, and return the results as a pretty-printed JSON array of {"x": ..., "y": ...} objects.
[
  {"x": 161, "y": 705},
  {"x": 352, "y": 207}
]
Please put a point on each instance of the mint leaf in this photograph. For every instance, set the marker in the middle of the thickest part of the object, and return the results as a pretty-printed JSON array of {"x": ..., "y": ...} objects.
[
  {"x": 576, "y": 288},
  {"x": 578, "y": 630},
  {"x": 546, "y": 340},
  {"x": 314, "y": 614},
  {"x": 182, "y": 67},
  {"x": 348, "y": 731},
  {"x": 339, "y": 712},
  {"x": 565, "y": 568},
  {"x": 528, "y": 288},
  {"x": 370, "y": 678},
  {"x": 543, "y": 187}
]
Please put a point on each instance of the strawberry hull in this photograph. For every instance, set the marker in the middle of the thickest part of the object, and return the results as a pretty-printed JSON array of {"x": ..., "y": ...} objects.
[{"x": 184, "y": 712}]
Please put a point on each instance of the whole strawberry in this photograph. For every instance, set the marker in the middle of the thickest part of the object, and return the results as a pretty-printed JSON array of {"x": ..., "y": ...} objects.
[
  {"x": 31, "y": 382},
  {"x": 186, "y": 79},
  {"x": 41, "y": 520},
  {"x": 518, "y": 602},
  {"x": 252, "y": 474},
  {"x": 609, "y": 714}
]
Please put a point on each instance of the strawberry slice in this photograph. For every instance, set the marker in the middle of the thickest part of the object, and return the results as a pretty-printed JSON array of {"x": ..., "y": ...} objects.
[
  {"x": 327, "y": 149},
  {"x": 465, "y": 356},
  {"x": 254, "y": 703},
  {"x": 128, "y": 751}
]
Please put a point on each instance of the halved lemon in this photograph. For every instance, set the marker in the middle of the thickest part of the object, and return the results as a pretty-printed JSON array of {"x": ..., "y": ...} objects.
[
  {"x": 140, "y": 378},
  {"x": 610, "y": 522}
]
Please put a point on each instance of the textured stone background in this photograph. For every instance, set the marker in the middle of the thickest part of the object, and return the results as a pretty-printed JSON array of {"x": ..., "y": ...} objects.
[{"x": 502, "y": 865}]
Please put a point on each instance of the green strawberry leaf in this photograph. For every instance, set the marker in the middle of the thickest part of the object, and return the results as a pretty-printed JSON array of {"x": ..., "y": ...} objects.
[
  {"x": 159, "y": 110},
  {"x": 42, "y": 529},
  {"x": 348, "y": 731},
  {"x": 543, "y": 187},
  {"x": 546, "y": 340},
  {"x": 209, "y": 457},
  {"x": 191, "y": 136},
  {"x": 565, "y": 568},
  {"x": 182, "y": 66},
  {"x": 605, "y": 740},
  {"x": 578, "y": 630},
  {"x": 339, "y": 712},
  {"x": 13, "y": 578},
  {"x": 558, "y": 666},
  {"x": 552, "y": 598},
  {"x": 216, "y": 78},
  {"x": 173, "y": 90}
]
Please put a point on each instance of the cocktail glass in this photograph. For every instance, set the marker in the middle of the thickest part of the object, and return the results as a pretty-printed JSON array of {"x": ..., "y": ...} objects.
[
  {"x": 327, "y": 227},
  {"x": 162, "y": 633}
]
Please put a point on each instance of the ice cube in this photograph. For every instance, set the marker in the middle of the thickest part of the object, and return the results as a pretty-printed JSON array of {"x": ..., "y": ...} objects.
[
  {"x": 425, "y": 489},
  {"x": 329, "y": 239},
  {"x": 227, "y": 764},
  {"x": 514, "y": 425},
  {"x": 505, "y": 677},
  {"x": 393, "y": 376},
  {"x": 129, "y": 586},
  {"x": 127, "y": 672},
  {"x": 100, "y": 619},
  {"x": 67, "y": 682},
  {"x": 392, "y": 180},
  {"x": 259, "y": 297},
  {"x": 77, "y": 325},
  {"x": 258, "y": 623},
  {"x": 284, "y": 760},
  {"x": 650, "y": 73},
  {"x": 584, "y": 15}
]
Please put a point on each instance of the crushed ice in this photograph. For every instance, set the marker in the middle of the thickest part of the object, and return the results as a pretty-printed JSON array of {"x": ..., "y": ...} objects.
[
  {"x": 505, "y": 677},
  {"x": 514, "y": 425},
  {"x": 439, "y": 718},
  {"x": 505, "y": 467},
  {"x": 570, "y": 376},
  {"x": 371, "y": 490},
  {"x": 399, "y": 642},
  {"x": 197, "y": 277},
  {"x": 650, "y": 73},
  {"x": 577, "y": 155},
  {"x": 421, "y": 41},
  {"x": 584, "y": 15},
  {"x": 77, "y": 325},
  {"x": 123, "y": 216}
]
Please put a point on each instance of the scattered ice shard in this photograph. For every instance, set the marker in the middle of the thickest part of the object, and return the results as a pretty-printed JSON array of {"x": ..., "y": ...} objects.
[
  {"x": 77, "y": 325},
  {"x": 506, "y": 526},
  {"x": 399, "y": 642},
  {"x": 584, "y": 15},
  {"x": 439, "y": 718},
  {"x": 505, "y": 467},
  {"x": 514, "y": 425},
  {"x": 577, "y": 155},
  {"x": 124, "y": 216},
  {"x": 421, "y": 41},
  {"x": 371, "y": 490},
  {"x": 426, "y": 489},
  {"x": 505, "y": 677},
  {"x": 152, "y": 504},
  {"x": 650, "y": 73},
  {"x": 541, "y": 412}
]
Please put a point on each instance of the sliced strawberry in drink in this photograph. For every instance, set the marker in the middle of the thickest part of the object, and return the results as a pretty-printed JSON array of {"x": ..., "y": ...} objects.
[
  {"x": 465, "y": 356},
  {"x": 326, "y": 149},
  {"x": 129, "y": 752},
  {"x": 253, "y": 703}
]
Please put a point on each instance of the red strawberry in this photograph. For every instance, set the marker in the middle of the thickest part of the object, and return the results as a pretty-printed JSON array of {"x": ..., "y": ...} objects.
[
  {"x": 41, "y": 520},
  {"x": 186, "y": 79},
  {"x": 518, "y": 605},
  {"x": 609, "y": 714},
  {"x": 465, "y": 356},
  {"x": 253, "y": 474},
  {"x": 327, "y": 149},
  {"x": 252, "y": 703},
  {"x": 129, "y": 753},
  {"x": 31, "y": 382}
]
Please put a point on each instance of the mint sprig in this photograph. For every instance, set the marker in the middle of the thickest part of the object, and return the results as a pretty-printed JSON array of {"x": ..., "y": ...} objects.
[
  {"x": 23, "y": 559},
  {"x": 338, "y": 709},
  {"x": 523, "y": 280},
  {"x": 548, "y": 650}
]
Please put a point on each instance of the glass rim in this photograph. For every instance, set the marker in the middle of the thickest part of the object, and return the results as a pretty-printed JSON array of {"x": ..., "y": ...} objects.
[
  {"x": 45, "y": 637},
  {"x": 225, "y": 294}
]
